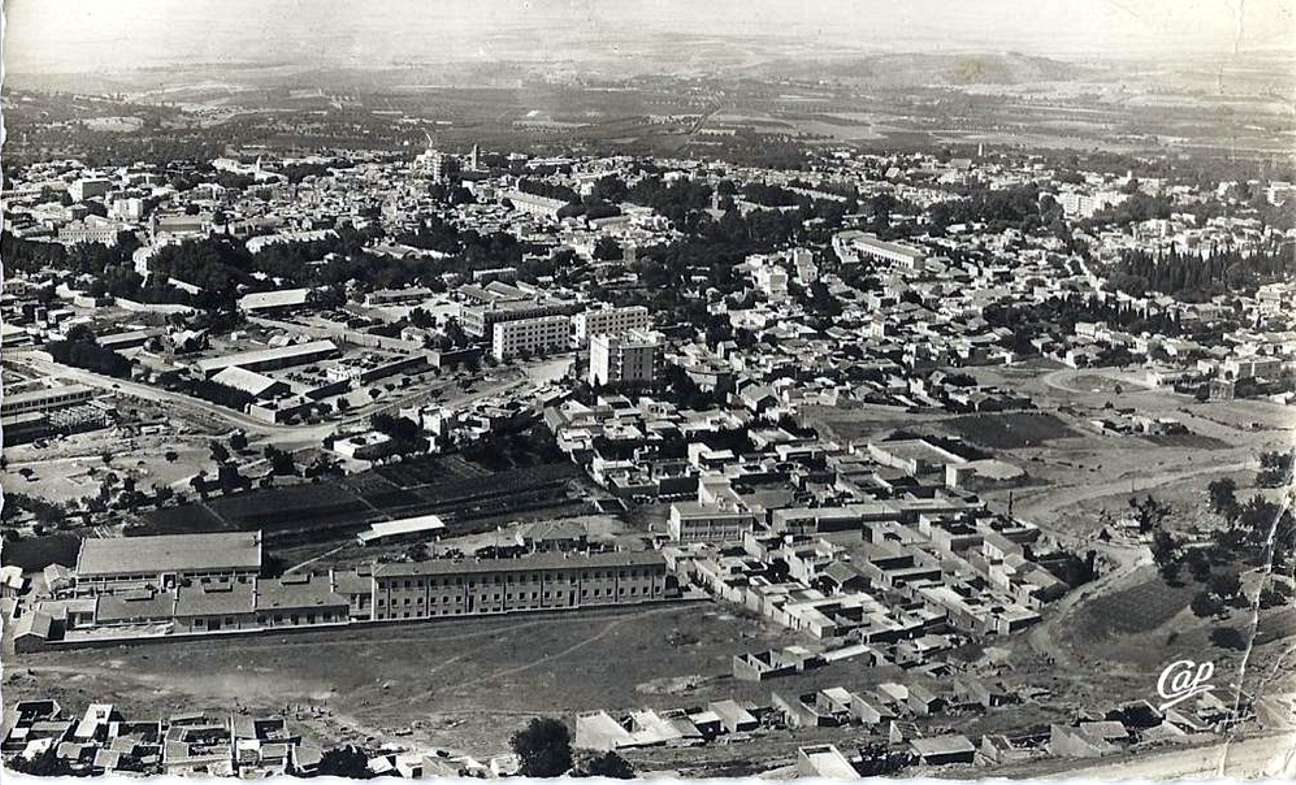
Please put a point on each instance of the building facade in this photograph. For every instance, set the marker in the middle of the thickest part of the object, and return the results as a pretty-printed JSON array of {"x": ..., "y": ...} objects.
[
  {"x": 439, "y": 588},
  {"x": 536, "y": 336},
  {"x": 608, "y": 321},
  {"x": 633, "y": 358}
]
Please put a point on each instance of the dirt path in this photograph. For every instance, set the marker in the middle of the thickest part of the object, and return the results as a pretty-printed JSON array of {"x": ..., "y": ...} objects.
[
  {"x": 1262, "y": 756},
  {"x": 1052, "y": 498},
  {"x": 1042, "y": 637}
]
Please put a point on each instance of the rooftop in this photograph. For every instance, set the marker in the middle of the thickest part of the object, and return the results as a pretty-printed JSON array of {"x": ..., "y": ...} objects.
[
  {"x": 169, "y": 553},
  {"x": 544, "y": 561}
]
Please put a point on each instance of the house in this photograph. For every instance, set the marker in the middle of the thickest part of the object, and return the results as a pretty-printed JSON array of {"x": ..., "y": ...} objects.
[
  {"x": 734, "y": 717},
  {"x": 824, "y": 761},
  {"x": 943, "y": 750},
  {"x": 12, "y": 581},
  {"x": 1086, "y": 740}
]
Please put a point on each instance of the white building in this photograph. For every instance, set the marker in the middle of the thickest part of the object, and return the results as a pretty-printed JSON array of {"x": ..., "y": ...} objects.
[
  {"x": 534, "y": 336},
  {"x": 696, "y": 522},
  {"x": 633, "y": 358},
  {"x": 609, "y": 321},
  {"x": 534, "y": 204},
  {"x": 853, "y": 246},
  {"x": 771, "y": 280}
]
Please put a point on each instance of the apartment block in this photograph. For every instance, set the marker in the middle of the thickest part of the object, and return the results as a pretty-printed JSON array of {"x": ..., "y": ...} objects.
[
  {"x": 632, "y": 358},
  {"x": 535, "y": 336},
  {"x": 608, "y": 321}
]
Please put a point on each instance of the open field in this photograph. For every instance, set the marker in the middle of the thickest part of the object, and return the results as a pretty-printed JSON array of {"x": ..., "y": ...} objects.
[
  {"x": 489, "y": 675},
  {"x": 1009, "y": 430},
  {"x": 1141, "y": 607}
]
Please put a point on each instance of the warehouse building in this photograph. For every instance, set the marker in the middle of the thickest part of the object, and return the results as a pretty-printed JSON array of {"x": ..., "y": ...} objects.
[
  {"x": 269, "y": 359},
  {"x": 160, "y": 562}
]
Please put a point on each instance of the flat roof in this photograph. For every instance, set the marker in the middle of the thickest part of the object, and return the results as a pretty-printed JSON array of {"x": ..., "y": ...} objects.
[
  {"x": 421, "y": 523},
  {"x": 47, "y": 392},
  {"x": 942, "y": 745},
  {"x": 544, "y": 561},
  {"x": 828, "y": 762},
  {"x": 265, "y": 355},
  {"x": 169, "y": 553}
]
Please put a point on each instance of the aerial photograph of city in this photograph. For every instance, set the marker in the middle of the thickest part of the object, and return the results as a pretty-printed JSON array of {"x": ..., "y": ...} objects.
[{"x": 648, "y": 389}]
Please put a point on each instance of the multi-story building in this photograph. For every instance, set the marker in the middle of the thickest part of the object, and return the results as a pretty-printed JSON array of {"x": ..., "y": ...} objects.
[
  {"x": 535, "y": 336},
  {"x": 88, "y": 188},
  {"x": 852, "y": 246},
  {"x": 534, "y": 204},
  {"x": 93, "y": 229},
  {"x": 608, "y": 321},
  {"x": 477, "y": 320},
  {"x": 160, "y": 562},
  {"x": 632, "y": 358},
  {"x": 554, "y": 581},
  {"x": 697, "y": 522},
  {"x": 46, "y": 400}
]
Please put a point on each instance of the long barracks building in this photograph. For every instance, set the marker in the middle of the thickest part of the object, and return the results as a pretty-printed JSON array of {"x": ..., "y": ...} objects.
[
  {"x": 202, "y": 584},
  {"x": 555, "y": 581}
]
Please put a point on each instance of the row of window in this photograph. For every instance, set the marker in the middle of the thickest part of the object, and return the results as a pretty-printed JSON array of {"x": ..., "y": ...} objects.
[
  {"x": 278, "y": 618},
  {"x": 535, "y": 595},
  {"x": 535, "y": 577}
]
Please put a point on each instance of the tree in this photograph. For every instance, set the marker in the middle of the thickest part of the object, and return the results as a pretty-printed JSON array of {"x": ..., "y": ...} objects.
[
  {"x": 1149, "y": 513},
  {"x": 199, "y": 483},
  {"x": 281, "y": 461},
  {"x": 1228, "y": 638},
  {"x": 218, "y": 452},
  {"x": 1206, "y": 604},
  {"x": 342, "y": 405},
  {"x": 238, "y": 440},
  {"x": 1170, "y": 571},
  {"x": 544, "y": 748},
  {"x": 171, "y": 456},
  {"x": 1274, "y": 595},
  {"x": 610, "y": 765},
  {"x": 1165, "y": 549},
  {"x": 607, "y": 249},
  {"x": 1199, "y": 565},
  {"x": 349, "y": 762},
  {"x": 1275, "y": 469},
  {"x": 1226, "y": 585},
  {"x": 1223, "y": 496}
]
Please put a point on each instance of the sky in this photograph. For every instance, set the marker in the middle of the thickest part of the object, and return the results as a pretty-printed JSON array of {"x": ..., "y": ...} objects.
[{"x": 112, "y": 35}]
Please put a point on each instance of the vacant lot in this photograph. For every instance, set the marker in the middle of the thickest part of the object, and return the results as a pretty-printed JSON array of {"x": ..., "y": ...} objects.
[
  {"x": 1009, "y": 430},
  {"x": 467, "y": 684},
  {"x": 1141, "y": 607}
]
